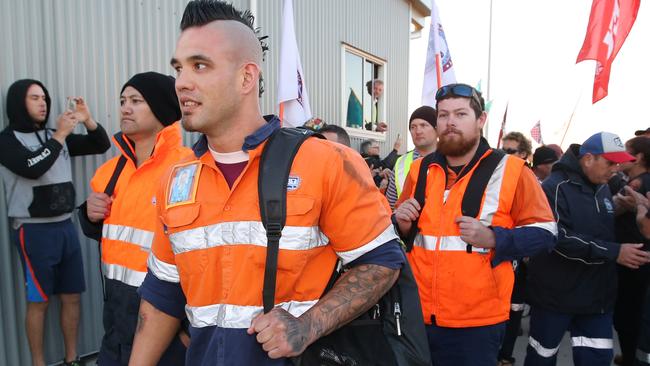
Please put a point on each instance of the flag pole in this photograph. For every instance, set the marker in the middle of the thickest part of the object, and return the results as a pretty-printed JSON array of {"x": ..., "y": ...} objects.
[
  {"x": 489, "y": 81},
  {"x": 438, "y": 70},
  {"x": 571, "y": 118}
]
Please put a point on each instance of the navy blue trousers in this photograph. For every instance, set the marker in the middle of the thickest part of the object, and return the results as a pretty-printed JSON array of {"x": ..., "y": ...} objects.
[
  {"x": 642, "y": 354},
  {"x": 475, "y": 346},
  {"x": 591, "y": 338}
]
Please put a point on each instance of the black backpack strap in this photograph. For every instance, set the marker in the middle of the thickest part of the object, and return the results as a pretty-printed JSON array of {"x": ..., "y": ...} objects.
[
  {"x": 94, "y": 230},
  {"x": 420, "y": 188},
  {"x": 275, "y": 166},
  {"x": 91, "y": 229},
  {"x": 110, "y": 187},
  {"x": 477, "y": 184}
]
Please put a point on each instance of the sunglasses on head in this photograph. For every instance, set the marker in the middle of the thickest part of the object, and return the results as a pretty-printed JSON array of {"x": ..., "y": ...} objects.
[{"x": 458, "y": 90}]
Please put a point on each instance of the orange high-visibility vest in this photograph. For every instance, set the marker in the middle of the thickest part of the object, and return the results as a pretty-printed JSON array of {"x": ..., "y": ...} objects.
[
  {"x": 462, "y": 289},
  {"x": 127, "y": 233},
  {"x": 215, "y": 243}
]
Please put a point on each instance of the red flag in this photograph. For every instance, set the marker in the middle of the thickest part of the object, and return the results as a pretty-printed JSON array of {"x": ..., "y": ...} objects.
[
  {"x": 536, "y": 133},
  {"x": 609, "y": 24},
  {"x": 503, "y": 127}
]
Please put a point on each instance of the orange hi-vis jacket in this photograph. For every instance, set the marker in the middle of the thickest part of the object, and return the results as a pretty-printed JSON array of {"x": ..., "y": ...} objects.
[
  {"x": 128, "y": 231},
  {"x": 460, "y": 289},
  {"x": 215, "y": 244}
]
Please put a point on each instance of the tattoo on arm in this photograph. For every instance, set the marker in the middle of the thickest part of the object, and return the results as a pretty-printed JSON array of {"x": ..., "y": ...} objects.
[
  {"x": 297, "y": 330},
  {"x": 140, "y": 324},
  {"x": 355, "y": 292}
]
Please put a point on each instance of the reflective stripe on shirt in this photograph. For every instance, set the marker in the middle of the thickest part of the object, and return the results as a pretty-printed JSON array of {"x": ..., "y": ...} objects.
[
  {"x": 237, "y": 316},
  {"x": 245, "y": 233}
]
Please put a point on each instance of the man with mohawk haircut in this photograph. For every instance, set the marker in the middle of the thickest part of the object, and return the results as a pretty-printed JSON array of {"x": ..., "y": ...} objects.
[{"x": 208, "y": 254}]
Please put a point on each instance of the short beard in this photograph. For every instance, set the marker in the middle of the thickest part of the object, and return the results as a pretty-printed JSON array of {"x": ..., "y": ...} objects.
[
  {"x": 455, "y": 147},
  {"x": 187, "y": 126}
]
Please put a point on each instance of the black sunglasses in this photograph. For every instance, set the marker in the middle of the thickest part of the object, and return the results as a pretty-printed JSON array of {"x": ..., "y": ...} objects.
[
  {"x": 510, "y": 151},
  {"x": 459, "y": 90}
]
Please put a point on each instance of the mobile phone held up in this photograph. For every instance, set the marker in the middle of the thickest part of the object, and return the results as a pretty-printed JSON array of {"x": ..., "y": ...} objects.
[{"x": 70, "y": 104}]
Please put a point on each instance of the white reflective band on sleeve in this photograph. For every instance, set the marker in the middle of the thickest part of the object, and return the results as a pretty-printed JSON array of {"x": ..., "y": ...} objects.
[
  {"x": 598, "y": 343},
  {"x": 237, "y": 316},
  {"x": 163, "y": 270},
  {"x": 123, "y": 274},
  {"x": 245, "y": 233},
  {"x": 517, "y": 307},
  {"x": 642, "y": 356},
  {"x": 541, "y": 350},
  {"x": 548, "y": 226},
  {"x": 492, "y": 193},
  {"x": 127, "y": 234},
  {"x": 387, "y": 235}
]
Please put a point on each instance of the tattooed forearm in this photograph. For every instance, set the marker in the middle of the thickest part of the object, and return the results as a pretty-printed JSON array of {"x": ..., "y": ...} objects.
[{"x": 355, "y": 292}]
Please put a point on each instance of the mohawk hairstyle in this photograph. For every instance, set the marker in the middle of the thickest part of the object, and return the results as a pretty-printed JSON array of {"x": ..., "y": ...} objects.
[{"x": 201, "y": 12}]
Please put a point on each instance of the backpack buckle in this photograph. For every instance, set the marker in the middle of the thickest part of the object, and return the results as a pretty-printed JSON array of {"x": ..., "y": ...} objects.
[{"x": 274, "y": 230}]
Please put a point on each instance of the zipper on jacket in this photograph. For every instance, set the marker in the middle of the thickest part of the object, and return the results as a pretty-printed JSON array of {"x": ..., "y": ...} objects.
[
  {"x": 596, "y": 198},
  {"x": 397, "y": 311}
]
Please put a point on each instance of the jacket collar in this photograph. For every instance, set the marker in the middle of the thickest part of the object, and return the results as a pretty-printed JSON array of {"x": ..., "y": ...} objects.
[
  {"x": 569, "y": 164},
  {"x": 251, "y": 142},
  {"x": 167, "y": 139}
]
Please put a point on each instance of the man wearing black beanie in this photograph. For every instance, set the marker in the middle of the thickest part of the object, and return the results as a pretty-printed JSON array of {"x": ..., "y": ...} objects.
[
  {"x": 422, "y": 126},
  {"x": 121, "y": 211}
]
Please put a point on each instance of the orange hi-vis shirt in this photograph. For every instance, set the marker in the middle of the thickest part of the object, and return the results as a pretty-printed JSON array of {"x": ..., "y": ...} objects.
[
  {"x": 128, "y": 231},
  {"x": 214, "y": 243},
  {"x": 460, "y": 289}
]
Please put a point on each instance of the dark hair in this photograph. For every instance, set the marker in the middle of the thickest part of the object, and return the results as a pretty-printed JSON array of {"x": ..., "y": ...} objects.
[
  {"x": 640, "y": 145},
  {"x": 370, "y": 84},
  {"x": 523, "y": 144},
  {"x": 201, "y": 12},
  {"x": 341, "y": 134}
]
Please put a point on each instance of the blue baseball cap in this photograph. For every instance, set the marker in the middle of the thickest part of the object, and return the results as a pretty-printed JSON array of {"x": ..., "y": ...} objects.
[{"x": 607, "y": 145}]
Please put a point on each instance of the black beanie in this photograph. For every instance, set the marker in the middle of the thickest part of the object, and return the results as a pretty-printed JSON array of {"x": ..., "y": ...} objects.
[
  {"x": 426, "y": 113},
  {"x": 159, "y": 92}
]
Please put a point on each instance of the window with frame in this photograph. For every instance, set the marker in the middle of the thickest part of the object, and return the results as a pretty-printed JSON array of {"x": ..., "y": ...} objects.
[{"x": 363, "y": 92}]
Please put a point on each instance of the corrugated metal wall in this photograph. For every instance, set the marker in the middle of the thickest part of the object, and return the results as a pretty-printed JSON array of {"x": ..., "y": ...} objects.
[
  {"x": 378, "y": 27},
  {"x": 91, "y": 47}
]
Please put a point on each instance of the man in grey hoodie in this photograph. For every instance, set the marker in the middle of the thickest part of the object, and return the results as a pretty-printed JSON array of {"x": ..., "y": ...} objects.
[{"x": 35, "y": 168}]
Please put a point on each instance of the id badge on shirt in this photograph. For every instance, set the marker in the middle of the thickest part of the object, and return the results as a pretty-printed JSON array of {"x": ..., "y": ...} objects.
[{"x": 183, "y": 182}]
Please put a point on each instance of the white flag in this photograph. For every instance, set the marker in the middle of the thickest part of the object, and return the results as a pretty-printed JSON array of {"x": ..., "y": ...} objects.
[
  {"x": 439, "y": 68},
  {"x": 292, "y": 90}
]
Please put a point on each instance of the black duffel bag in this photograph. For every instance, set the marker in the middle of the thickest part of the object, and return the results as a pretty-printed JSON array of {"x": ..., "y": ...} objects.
[{"x": 391, "y": 333}]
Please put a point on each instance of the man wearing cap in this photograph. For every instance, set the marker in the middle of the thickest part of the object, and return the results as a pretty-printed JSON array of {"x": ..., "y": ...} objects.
[
  {"x": 422, "y": 126},
  {"x": 543, "y": 159},
  {"x": 124, "y": 218},
  {"x": 573, "y": 287}
]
